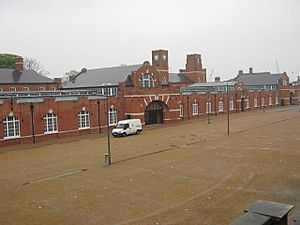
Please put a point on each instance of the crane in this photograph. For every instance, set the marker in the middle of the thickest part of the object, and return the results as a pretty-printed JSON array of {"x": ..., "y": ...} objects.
[{"x": 210, "y": 75}]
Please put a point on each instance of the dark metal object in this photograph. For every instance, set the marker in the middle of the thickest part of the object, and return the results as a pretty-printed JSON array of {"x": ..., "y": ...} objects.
[
  {"x": 252, "y": 219},
  {"x": 277, "y": 211},
  {"x": 108, "y": 130}
]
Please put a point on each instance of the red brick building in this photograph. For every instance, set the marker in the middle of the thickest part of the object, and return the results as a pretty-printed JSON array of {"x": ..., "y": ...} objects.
[{"x": 146, "y": 91}]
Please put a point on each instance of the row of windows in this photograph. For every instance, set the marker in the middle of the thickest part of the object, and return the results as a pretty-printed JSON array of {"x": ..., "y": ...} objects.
[
  {"x": 112, "y": 91},
  {"x": 27, "y": 89},
  {"x": 11, "y": 124},
  {"x": 195, "y": 105}
]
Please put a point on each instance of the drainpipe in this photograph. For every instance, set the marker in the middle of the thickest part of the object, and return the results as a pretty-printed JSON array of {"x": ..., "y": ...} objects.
[
  {"x": 99, "y": 114},
  {"x": 32, "y": 122}
]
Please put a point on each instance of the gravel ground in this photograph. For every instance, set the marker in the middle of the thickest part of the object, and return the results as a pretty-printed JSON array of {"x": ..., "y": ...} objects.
[{"x": 188, "y": 173}]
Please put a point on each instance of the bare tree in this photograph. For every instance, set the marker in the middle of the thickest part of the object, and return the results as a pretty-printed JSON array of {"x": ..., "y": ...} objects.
[
  {"x": 33, "y": 64},
  {"x": 68, "y": 76}
]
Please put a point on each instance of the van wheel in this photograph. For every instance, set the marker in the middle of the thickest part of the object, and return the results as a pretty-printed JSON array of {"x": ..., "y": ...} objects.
[
  {"x": 138, "y": 132},
  {"x": 124, "y": 134}
]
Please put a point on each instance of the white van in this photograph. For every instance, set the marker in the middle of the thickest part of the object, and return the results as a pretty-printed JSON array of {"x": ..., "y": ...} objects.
[{"x": 126, "y": 127}]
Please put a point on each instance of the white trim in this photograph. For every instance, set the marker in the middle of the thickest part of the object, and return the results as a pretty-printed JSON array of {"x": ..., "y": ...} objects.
[
  {"x": 135, "y": 114},
  {"x": 195, "y": 71},
  {"x": 174, "y": 110},
  {"x": 147, "y": 95},
  {"x": 145, "y": 101},
  {"x": 168, "y": 99},
  {"x": 162, "y": 70}
]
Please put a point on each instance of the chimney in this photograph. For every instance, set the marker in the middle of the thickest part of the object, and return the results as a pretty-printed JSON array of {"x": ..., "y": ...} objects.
[
  {"x": 217, "y": 79},
  {"x": 240, "y": 72},
  {"x": 19, "y": 63},
  {"x": 58, "y": 82},
  {"x": 250, "y": 70}
]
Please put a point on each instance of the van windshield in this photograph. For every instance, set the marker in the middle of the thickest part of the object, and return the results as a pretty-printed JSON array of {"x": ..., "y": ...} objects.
[{"x": 122, "y": 125}]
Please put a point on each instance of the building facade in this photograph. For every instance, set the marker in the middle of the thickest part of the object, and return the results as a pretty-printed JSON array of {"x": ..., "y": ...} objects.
[{"x": 146, "y": 91}]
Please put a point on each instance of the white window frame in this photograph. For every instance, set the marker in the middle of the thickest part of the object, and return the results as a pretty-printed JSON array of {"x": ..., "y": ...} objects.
[
  {"x": 195, "y": 108},
  {"x": 231, "y": 104},
  {"x": 147, "y": 80},
  {"x": 247, "y": 103},
  {"x": 25, "y": 88},
  {"x": 41, "y": 88},
  {"x": 11, "y": 127},
  {"x": 112, "y": 116},
  {"x": 221, "y": 106},
  {"x": 50, "y": 123},
  {"x": 181, "y": 110},
  {"x": 83, "y": 120},
  {"x": 12, "y": 89}
]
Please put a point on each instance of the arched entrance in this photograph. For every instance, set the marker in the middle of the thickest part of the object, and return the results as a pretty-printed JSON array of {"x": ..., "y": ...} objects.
[{"x": 154, "y": 113}]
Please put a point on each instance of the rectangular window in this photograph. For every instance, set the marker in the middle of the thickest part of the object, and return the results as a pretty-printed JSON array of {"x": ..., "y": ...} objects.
[
  {"x": 41, "y": 88},
  {"x": 11, "y": 127},
  {"x": 50, "y": 123},
  {"x": 270, "y": 100},
  {"x": 221, "y": 108},
  {"x": 83, "y": 120},
  {"x": 13, "y": 89},
  {"x": 231, "y": 104},
  {"x": 181, "y": 110},
  {"x": 208, "y": 107},
  {"x": 276, "y": 100},
  {"x": 25, "y": 88},
  {"x": 195, "y": 109},
  {"x": 112, "y": 117},
  {"x": 255, "y": 102},
  {"x": 262, "y": 101},
  {"x": 247, "y": 103}
]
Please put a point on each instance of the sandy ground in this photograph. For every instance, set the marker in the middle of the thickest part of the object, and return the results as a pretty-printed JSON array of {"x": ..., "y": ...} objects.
[{"x": 188, "y": 173}]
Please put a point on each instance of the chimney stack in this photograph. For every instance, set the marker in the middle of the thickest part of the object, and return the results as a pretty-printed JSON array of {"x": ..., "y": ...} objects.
[
  {"x": 250, "y": 70},
  {"x": 217, "y": 79},
  {"x": 19, "y": 63},
  {"x": 241, "y": 72}
]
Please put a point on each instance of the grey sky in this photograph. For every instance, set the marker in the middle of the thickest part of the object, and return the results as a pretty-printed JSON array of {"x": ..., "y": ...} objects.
[{"x": 229, "y": 34}]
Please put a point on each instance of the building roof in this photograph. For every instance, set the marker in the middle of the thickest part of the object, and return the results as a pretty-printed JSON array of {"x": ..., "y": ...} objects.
[
  {"x": 264, "y": 78},
  {"x": 179, "y": 78},
  {"x": 102, "y": 76},
  {"x": 12, "y": 76}
]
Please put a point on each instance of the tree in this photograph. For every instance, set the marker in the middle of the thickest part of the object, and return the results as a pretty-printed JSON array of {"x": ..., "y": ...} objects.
[
  {"x": 71, "y": 73},
  {"x": 33, "y": 64},
  {"x": 7, "y": 61}
]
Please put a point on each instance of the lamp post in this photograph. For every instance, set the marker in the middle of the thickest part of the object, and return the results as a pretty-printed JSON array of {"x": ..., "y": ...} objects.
[
  {"x": 208, "y": 105},
  {"x": 108, "y": 130},
  {"x": 227, "y": 109}
]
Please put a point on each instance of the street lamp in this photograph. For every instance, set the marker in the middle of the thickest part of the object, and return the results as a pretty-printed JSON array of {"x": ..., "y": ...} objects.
[
  {"x": 227, "y": 109},
  {"x": 108, "y": 155}
]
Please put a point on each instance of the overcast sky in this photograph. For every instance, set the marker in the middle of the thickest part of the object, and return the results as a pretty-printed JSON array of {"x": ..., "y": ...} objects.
[{"x": 229, "y": 34}]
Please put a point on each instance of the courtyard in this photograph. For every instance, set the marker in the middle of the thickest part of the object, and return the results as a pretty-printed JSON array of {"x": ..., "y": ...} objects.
[{"x": 187, "y": 173}]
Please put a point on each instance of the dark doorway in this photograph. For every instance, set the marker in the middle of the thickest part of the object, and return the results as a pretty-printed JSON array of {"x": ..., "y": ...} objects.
[
  {"x": 242, "y": 104},
  {"x": 291, "y": 95},
  {"x": 154, "y": 113}
]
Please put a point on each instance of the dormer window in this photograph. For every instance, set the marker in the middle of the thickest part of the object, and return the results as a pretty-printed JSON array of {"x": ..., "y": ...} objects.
[{"x": 147, "y": 80}]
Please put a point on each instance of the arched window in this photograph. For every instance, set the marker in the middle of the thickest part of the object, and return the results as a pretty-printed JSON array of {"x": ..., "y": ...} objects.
[
  {"x": 11, "y": 127},
  {"x": 195, "y": 108},
  {"x": 270, "y": 100},
  {"x": 83, "y": 120},
  {"x": 255, "y": 102},
  {"x": 50, "y": 123},
  {"x": 112, "y": 116},
  {"x": 147, "y": 80}
]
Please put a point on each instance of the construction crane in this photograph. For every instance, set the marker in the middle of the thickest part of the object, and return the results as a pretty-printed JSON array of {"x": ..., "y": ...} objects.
[{"x": 210, "y": 75}]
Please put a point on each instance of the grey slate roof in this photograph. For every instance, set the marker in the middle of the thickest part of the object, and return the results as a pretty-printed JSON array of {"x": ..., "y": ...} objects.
[
  {"x": 102, "y": 76},
  {"x": 11, "y": 76},
  {"x": 178, "y": 78},
  {"x": 259, "y": 78}
]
